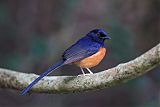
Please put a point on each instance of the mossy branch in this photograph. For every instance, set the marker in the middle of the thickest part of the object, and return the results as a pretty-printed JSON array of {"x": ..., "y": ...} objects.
[{"x": 68, "y": 84}]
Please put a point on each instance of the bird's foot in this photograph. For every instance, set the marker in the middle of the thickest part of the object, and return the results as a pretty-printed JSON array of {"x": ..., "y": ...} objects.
[{"x": 85, "y": 74}]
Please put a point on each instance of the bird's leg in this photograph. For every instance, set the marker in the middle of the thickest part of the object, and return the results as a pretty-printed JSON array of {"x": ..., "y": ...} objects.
[
  {"x": 83, "y": 74},
  {"x": 82, "y": 71},
  {"x": 89, "y": 71}
]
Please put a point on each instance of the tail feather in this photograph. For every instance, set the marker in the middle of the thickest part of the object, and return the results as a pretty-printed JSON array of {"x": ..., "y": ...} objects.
[{"x": 52, "y": 68}]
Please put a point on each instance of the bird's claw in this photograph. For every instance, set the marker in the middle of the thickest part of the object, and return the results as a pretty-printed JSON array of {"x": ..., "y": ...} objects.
[{"x": 84, "y": 74}]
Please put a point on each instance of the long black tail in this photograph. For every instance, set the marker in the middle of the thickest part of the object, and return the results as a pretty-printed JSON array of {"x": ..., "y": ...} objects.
[{"x": 52, "y": 68}]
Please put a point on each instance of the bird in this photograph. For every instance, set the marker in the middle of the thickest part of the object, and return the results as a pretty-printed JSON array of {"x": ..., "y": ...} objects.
[{"x": 86, "y": 53}]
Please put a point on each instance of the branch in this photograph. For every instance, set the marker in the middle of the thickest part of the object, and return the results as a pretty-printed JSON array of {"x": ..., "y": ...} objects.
[{"x": 68, "y": 84}]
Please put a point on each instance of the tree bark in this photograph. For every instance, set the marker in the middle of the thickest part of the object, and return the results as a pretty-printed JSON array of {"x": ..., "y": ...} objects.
[{"x": 69, "y": 84}]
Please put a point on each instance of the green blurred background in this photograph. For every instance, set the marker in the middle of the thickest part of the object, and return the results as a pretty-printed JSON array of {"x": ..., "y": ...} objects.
[{"x": 34, "y": 34}]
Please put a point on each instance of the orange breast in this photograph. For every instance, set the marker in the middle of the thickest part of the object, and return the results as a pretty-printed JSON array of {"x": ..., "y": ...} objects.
[{"x": 92, "y": 60}]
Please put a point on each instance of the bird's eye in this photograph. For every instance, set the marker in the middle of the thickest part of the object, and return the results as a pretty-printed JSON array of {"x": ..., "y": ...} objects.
[{"x": 98, "y": 34}]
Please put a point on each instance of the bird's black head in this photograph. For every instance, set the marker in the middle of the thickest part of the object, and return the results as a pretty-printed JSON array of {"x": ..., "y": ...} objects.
[{"x": 98, "y": 35}]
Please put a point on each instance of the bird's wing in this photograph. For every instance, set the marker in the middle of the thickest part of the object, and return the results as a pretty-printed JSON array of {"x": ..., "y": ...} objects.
[{"x": 80, "y": 50}]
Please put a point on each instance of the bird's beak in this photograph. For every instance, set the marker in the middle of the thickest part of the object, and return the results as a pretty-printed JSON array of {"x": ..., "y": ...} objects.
[{"x": 106, "y": 37}]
